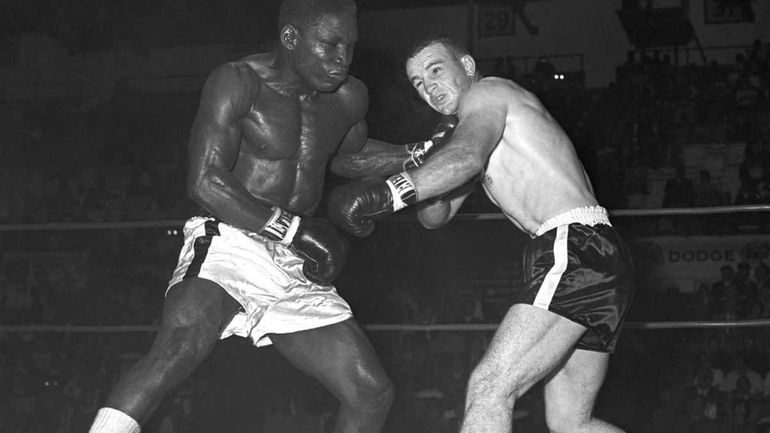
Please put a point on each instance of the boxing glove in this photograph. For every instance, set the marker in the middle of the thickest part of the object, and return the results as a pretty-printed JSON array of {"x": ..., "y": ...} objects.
[
  {"x": 418, "y": 152},
  {"x": 356, "y": 205},
  {"x": 315, "y": 239}
]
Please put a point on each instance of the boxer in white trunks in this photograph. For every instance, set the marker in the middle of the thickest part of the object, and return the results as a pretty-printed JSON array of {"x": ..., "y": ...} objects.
[{"x": 257, "y": 262}]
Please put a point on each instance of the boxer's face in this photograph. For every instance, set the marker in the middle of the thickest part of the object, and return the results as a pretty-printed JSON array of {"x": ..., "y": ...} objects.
[
  {"x": 323, "y": 51},
  {"x": 440, "y": 77}
]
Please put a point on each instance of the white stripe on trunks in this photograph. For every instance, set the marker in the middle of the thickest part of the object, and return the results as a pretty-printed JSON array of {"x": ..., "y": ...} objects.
[{"x": 551, "y": 281}]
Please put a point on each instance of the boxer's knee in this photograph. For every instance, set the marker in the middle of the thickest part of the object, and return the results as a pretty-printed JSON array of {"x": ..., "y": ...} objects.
[
  {"x": 370, "y": 392},
  {"x": 189, "y": 329},
  {"x": 568, "y": 412},
  {"x": 562, "y": 420},
  {"x": 376, "y": 393}
]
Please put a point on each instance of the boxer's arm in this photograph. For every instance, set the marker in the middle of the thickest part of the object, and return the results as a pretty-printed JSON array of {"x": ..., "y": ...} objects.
[
  {"x": 436, "y": 212},
  {"x": 379, "y": 158},
  {"x": 360, "y": 155},
  {"x": 482, "y": 115},
  {"x": 214, "y": 145},
  {"x": 356, "y": 205}
]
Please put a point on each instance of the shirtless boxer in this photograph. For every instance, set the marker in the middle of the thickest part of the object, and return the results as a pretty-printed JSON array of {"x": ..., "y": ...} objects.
[
  {"x": 257, "y": 263},
  {"x": 578, "y": 273}
]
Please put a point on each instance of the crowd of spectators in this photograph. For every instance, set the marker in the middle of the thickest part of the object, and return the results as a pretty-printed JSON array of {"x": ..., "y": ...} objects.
[{"x": 707, "y": 381}]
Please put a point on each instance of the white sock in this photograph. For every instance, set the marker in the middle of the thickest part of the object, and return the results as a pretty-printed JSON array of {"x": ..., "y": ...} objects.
[{"x": 109, "y": 420}]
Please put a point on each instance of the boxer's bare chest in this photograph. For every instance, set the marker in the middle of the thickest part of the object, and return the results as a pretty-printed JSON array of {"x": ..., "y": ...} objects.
[
  {"x": 280, "y": 127},
  {"x": 286, "y": 143}
]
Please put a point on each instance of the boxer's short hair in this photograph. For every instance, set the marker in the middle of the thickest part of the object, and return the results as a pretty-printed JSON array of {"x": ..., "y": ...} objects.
[
  {"x": 302, "y": 13},
  {"x": 457, "y": 48}
]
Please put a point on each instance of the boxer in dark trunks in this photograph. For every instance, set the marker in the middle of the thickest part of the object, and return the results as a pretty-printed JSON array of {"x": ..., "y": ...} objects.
[
  {"x": 257, "y": 263},
  {"x": 578, "y": 272}
]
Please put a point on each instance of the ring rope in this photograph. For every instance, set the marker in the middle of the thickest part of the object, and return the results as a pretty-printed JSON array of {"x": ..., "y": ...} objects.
[
  {"x": 711, "y": 210},
  {"x": 392, "y": 327},
  {"x": 384, "y": 327}
]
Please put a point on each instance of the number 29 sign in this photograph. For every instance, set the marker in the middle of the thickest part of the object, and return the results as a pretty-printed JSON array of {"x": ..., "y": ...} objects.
[{"x": 496, "y": 20}]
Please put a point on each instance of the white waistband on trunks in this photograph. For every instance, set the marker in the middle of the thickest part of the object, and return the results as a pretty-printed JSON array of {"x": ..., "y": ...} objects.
[{"x": 587, "y": 215}]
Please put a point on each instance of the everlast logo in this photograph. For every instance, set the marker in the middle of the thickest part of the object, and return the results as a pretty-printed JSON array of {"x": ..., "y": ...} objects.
[{"x": 404, "y": 189}]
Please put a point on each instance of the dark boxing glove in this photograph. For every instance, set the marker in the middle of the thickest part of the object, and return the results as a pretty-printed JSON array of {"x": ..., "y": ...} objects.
[
  {"x": 418, "y": 152},
  {"x": 315, "y": 239},
  {"x": 355, "y": 206}
]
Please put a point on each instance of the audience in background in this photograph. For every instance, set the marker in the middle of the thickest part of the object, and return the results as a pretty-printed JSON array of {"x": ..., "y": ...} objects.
[{"x": 679, "y": 190}]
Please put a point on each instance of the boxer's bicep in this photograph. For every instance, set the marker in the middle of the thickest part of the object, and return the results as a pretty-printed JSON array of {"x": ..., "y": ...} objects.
[
  {"x": 216, "y": 132},
  {"x": 483, "y": 115},
  {"x": 359, "y": 155},
  {"x": 213, "y": 145},
  {"x": 355, "y": 101},
  {"x": 457, "y": 197},
  {"x": 435, "y": 213},
  {"x": 355, "y": 139}
]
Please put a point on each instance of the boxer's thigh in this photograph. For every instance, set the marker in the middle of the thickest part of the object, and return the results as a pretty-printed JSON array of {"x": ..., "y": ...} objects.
[{"x": 196, "y": 307}]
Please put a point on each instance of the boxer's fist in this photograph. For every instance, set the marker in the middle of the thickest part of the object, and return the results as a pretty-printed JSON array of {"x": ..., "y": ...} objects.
[
  {"x": 324, "y": 250},
  {"x": 418, "y": 152},
  {"x": 356, "y": 205},
  {"x": 316, "y": 240}
]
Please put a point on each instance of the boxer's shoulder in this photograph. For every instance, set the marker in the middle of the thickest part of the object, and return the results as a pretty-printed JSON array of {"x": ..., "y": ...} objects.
[
  {"x": 234, "y": 84},
  {"x": 353, "y": 96},
  {"x": 248, "y": 74},
  {"x": 245, "y": 72},
  {"x": 484, "y": 95},
  {"x": 353, "y": 90},
  {"x": 492, "y": 92},
  {"x": 496, "y": 87}
]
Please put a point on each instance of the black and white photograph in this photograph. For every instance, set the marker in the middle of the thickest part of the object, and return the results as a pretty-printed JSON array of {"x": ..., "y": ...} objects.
[{"x": 385, "y": 216}]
